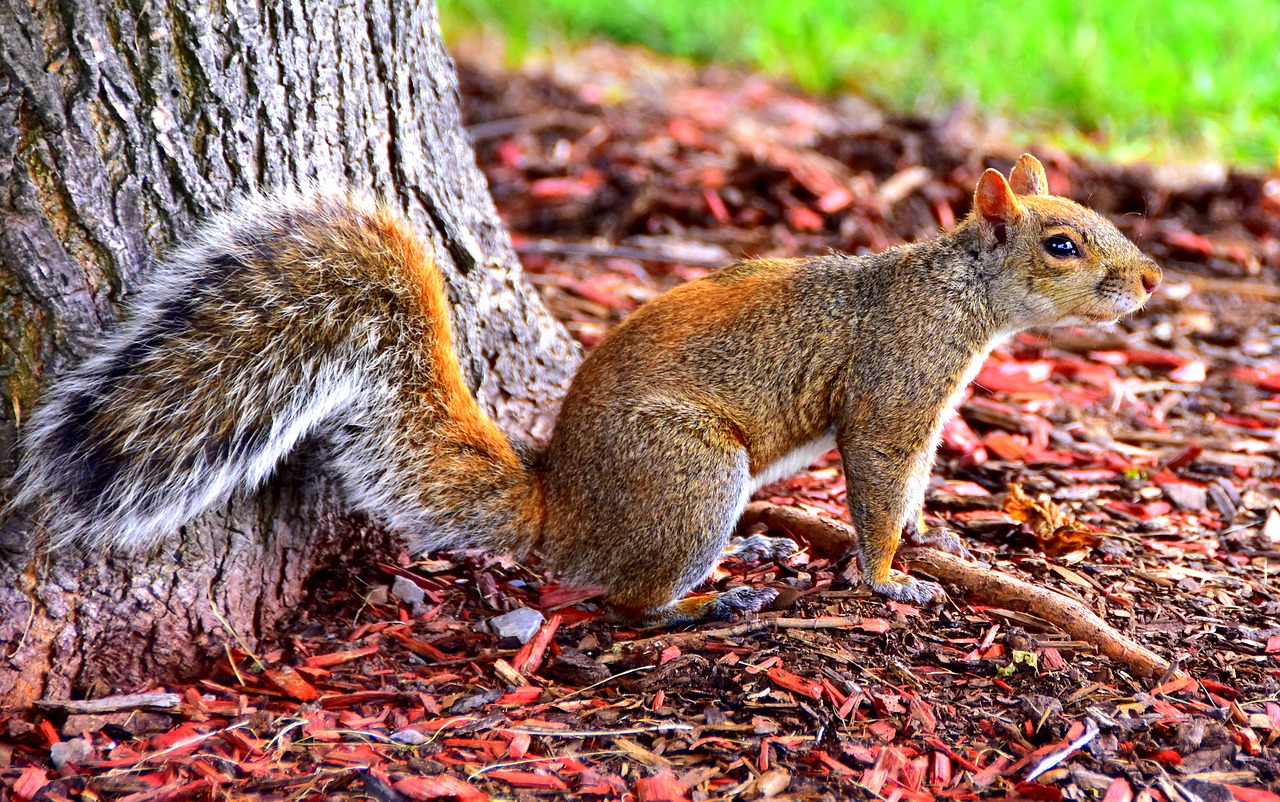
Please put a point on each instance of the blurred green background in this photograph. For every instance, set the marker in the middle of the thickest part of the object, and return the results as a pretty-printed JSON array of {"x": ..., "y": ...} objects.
[{"x": 1126, "y": 79}]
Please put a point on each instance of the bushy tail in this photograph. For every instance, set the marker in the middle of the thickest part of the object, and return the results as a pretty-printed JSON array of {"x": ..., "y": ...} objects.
[{"x": 291, "y": 315}]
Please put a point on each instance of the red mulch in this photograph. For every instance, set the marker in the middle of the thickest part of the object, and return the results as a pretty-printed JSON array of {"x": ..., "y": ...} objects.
[{"x": 1152, "y": 446}]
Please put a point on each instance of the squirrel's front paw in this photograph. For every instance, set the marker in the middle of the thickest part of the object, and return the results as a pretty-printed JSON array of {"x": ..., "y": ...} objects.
[
  {"x": 755, "y": 548},
  {"x": 907, "y": 590}
]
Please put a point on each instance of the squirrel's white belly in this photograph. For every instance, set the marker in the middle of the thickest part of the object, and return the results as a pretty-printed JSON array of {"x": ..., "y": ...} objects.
[
  {"x": 970, "y": 373},
  {"x": 799, "y": 457}
]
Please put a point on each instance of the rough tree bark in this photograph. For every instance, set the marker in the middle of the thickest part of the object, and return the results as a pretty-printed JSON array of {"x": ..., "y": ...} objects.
[{"x": 121, "y": 124}]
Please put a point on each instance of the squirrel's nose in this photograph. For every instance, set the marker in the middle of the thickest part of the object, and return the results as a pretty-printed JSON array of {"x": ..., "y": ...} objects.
[{"x": 1151, "y": 275}]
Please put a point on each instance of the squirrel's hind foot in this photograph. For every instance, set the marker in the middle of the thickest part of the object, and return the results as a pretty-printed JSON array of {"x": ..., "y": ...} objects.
[
  {"x": 744, "y": 599},
  {"x": 703, "y": 607},
  {"x": 906, "y": 590},
  {"x": 757, "y": 548}
]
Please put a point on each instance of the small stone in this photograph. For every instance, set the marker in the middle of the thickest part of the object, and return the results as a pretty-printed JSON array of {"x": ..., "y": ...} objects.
[
  {"x": 407, "y": 591},
  {"x": 521, "y": 623},
  {"x": 410, "y": 736},
  {"x": 73, "y": 752}
]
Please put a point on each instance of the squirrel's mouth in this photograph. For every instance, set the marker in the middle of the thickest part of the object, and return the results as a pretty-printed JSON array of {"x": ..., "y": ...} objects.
[
  {"x": 1099, "y": 315},
  {"x": 1113, "y": 306}
]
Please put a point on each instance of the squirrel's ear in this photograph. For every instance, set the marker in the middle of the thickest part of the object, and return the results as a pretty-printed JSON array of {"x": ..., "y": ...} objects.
[
  {"x": 994, "y": 199},
  {"x": 1028, "y": 176}
]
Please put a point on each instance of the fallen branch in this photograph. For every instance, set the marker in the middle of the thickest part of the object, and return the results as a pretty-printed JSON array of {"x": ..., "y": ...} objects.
[
  {"x": 831, "y": 538},
  {"x": 114, "y": 704}
]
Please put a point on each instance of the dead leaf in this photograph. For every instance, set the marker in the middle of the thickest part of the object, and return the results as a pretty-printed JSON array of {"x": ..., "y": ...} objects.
[{"x": 1054, "y": 527}]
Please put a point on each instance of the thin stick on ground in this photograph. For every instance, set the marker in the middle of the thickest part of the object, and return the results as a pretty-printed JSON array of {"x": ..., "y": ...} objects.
[
  {"x": 698, "y": 638},
  {"x": 835, "y": 539}
]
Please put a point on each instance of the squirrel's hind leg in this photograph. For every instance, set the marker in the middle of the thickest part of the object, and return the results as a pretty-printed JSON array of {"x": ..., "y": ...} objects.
[
  {"x": 654, "y": 518},
  {"x": 661, "y": 603},
  {"x": 744, "y": 599}
]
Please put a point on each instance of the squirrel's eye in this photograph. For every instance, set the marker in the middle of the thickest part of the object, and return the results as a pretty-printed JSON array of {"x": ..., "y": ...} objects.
[{"x": 1061, "y": 246}]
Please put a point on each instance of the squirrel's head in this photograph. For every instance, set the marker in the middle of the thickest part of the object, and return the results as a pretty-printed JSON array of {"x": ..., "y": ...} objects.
[{"x": 1052, "y": 260}]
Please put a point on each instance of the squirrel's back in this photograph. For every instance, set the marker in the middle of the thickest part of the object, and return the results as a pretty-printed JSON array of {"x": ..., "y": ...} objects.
[{"x": 288, "y": 316}]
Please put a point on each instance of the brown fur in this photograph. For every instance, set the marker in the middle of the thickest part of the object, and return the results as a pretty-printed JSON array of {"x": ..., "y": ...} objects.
[{"x": 667, "y": 425}]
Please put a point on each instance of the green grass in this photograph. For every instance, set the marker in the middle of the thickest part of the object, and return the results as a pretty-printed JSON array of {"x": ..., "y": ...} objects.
[{"x": 1127, "y": 78}]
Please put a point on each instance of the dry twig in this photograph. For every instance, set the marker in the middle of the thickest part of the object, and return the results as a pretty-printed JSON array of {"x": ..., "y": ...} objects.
[{"x": 698, "y": 638}]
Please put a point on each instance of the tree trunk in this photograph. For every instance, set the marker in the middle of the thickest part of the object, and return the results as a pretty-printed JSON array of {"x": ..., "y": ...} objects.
[{"x": 122, "y": 123}]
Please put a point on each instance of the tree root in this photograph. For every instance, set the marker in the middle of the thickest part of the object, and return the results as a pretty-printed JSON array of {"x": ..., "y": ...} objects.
[
  {"x": 1066, "y": 613},
  {"x": 835, "y": 539}
]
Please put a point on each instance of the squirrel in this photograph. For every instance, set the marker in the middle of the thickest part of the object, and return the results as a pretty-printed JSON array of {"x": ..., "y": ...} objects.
[{"x": 321, "y": 315}]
